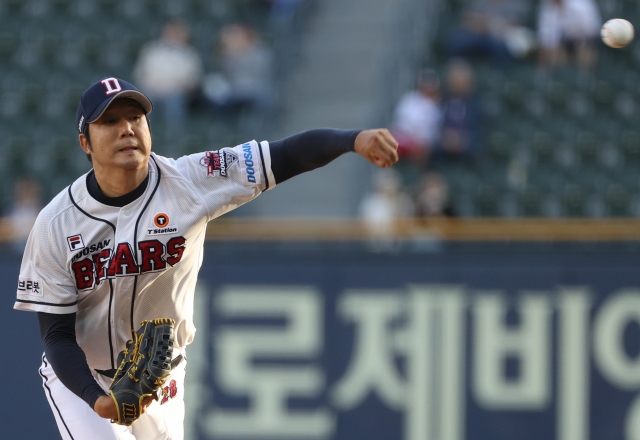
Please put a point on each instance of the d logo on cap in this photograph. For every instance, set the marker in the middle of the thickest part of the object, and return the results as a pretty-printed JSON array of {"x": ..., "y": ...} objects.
[{"x": 112, "y": 85}]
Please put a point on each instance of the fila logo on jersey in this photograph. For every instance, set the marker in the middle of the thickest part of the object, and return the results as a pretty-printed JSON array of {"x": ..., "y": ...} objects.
[
  {"x": 248, "y": 161},
  {"x": 218, "y": 162},
  {"x": 112, "y": 85},
  {"x": 154, "y": 257},
  {"x": 75, "y": 242},
  {"x": 161, "y": 221}
]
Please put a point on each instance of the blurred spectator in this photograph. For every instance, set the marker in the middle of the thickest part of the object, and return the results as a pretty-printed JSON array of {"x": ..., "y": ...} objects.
[
  {"x": 246, "y": 77},
  {"x": 568, "y": 26},
  {"x": 491, "y": 28},
  {"x": 433, "y": 198},
  {"x": 416, "y": 122},
  {"x": 169, "y": 70},
  {"x": 381, "y": 209},
  {"x": 27, "y": 203},
  {"x": 461, "y": 116}
]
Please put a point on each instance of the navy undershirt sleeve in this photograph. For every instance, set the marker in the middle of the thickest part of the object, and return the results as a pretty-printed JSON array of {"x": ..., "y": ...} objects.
[
  {"x": 67, "y": 359},
  {"x": 308, "y": 150}
]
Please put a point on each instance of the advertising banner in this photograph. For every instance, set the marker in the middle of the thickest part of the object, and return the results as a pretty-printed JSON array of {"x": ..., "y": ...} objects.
[{"x": 470, "y": 346}]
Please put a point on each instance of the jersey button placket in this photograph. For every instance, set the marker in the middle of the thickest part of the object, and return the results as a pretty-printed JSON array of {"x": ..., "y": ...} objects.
[{"x": 124, "y": 284}]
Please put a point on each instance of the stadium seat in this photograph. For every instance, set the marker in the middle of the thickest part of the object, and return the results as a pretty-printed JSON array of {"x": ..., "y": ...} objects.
[
  {"x": 60, "y": 6},
  {"x": 574, "y": 201},
  {"x": 557, "y": 96},
  {"x": 49, "y": 47},
  {"x": 132, "y": 45},
  {"x": 60, "y": 155},
  {"x": 487, "y": 202},
  {"x": 19, "y": 152},
  {"x": 517, "y": 125},
  {"x": 536, "y": 104},
  {"x": 630, "y": 148},
  {"x": 14, "y": 6},
  {"x": 626, "y": 107},
  {"x": 153, "y": 7},
  {"x": 603, "y": 95},
  {"x": 530, "y": 202},
  {"x": 629, "y": 177},
  {"x": 544, "y": 149},
  {"x": 559, "y": 125},
  {"x": 606, "y": 125},
  {"x": 32, "y": 95},
  {"x": 8, "y": 46},
  {"x": 618, "y": 201},
  {"x": 587, "y": 148},
  {"x": 579, "y": 105},
  {"x": 108, "y": 6},
  {"x": 514, "y": 95},
  {"x": 500, "y": 147},
  {"x": 93, "y": 46},
  {"x": 72, "y": 97},
  {"x": 202, "y": 8},
  {"x": 547, "y": 178}
]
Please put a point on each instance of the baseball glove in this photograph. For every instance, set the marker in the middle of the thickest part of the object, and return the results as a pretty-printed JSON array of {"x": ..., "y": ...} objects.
[{"x": 143, "y": 367}]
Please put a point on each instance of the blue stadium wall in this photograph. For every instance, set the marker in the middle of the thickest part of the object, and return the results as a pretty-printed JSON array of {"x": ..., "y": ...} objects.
[{"x": 469, "y": 342}]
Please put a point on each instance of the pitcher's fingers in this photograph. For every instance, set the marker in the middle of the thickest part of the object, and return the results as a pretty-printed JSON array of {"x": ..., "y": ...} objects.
[
  {"x": 389, "y": 137},
  {"x": 382, "y": 162},
  {"x": 384, "y": 152},
  {"x": 393, "y": 153}
]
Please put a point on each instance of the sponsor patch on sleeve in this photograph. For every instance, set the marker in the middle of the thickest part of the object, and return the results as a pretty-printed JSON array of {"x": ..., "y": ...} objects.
[
  {"x": 251, "y": 169},
  {"x": 218, "y": 162},
  {"x": 30, "y": 286}
]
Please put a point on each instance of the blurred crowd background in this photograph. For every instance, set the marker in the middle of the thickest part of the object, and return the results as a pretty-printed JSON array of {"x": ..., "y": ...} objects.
[
  {"x": 521, "y": 111},
  {"x": 503, "y": 108}
]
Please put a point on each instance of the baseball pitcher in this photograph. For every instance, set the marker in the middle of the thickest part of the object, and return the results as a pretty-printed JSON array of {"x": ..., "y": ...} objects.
[{"x": 111, "y": 264}]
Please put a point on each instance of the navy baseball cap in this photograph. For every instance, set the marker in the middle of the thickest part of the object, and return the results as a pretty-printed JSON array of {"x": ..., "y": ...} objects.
[{"x": 95, "y": 100}]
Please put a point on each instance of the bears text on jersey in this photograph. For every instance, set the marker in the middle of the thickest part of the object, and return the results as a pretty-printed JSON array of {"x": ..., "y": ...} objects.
[{"x": 109, "y": 263}]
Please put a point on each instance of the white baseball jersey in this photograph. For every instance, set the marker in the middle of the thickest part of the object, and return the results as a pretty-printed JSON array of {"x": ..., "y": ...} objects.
[{"x": 117, "y": 266}]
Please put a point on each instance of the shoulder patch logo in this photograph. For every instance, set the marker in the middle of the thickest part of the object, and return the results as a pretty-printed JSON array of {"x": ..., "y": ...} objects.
[
  {"x": 75, "y": 242},
  {"x": 218, "y": 162}
]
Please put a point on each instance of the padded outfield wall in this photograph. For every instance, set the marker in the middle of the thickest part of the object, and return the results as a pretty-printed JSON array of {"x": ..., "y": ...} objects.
[{"x": 457, "y": 341}]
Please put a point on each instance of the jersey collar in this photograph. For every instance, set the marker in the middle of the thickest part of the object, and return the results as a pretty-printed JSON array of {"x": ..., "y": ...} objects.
[{"x": 94, "y": 190}]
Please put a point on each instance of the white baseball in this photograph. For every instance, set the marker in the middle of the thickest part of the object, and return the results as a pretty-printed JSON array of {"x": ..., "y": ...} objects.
[{"x": 617, "y": 33}]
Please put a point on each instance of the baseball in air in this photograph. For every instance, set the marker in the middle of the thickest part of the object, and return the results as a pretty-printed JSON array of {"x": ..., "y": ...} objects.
[{"x": 617, "y": 33}]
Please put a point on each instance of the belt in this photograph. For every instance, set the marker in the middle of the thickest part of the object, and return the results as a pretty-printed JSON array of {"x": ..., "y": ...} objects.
[{"x": 112, "y": 372}]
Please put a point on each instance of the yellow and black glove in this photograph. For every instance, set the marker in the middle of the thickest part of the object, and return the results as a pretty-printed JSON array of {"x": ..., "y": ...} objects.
[{"x": 143, "y": 366}]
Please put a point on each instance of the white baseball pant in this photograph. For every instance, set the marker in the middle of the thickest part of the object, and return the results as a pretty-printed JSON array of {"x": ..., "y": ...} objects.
[{"x": 162, "y": 420}]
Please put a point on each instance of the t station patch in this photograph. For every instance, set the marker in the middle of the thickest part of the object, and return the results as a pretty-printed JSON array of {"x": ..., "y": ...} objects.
[
  {"x": 162, "y": 226},
  {"x": 218, "y": 162}
]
